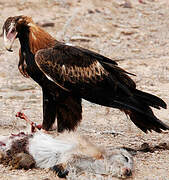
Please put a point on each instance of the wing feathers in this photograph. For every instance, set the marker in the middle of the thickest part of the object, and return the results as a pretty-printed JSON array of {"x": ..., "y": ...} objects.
[
  {"x": 77, "y": 74},
  {"x": 72, "y": 68}
]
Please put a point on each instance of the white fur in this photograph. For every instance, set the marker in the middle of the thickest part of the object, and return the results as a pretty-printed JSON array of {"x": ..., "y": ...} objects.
[
  {"x": 75, "y": 153},
  {"x": 46, "y": 150},
  {"x": 116, "y": 164}
]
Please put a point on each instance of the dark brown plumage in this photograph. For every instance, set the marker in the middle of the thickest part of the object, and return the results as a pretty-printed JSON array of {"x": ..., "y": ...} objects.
[{"x": 69, "y": 73}]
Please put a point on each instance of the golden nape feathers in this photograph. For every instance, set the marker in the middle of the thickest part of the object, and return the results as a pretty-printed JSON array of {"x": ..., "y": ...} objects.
[{"x": 39, "y": 39}]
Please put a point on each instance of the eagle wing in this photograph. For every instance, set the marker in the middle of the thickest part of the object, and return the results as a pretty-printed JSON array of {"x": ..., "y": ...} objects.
[{"x": 74, "y": 68}]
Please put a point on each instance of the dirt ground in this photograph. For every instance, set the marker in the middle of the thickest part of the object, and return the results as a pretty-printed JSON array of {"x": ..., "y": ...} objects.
[{"x": 137, "y": 37}]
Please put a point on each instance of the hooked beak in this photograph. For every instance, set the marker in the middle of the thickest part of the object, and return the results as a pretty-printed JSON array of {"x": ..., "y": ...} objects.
[{"x": 9, "y": 38}]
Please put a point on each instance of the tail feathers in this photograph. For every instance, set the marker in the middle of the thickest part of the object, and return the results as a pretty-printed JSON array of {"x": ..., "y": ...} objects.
[
  {"x": 146, "y": 123},
  {"x": 137, "y": 107},
  {"x": 150, "y": 99}
]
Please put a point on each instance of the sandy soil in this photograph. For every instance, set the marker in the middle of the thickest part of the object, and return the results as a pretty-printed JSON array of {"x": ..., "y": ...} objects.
[{"x": 137, "y": 37}]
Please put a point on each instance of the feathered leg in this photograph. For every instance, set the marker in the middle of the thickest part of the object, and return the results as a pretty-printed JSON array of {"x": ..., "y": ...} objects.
[
  {"x": 69, "y": 113},
  {"x": 49, "y": 110}
]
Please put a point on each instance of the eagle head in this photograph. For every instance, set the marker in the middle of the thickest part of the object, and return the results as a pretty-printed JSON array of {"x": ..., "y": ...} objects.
[{"x": 13, "y": 27}]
